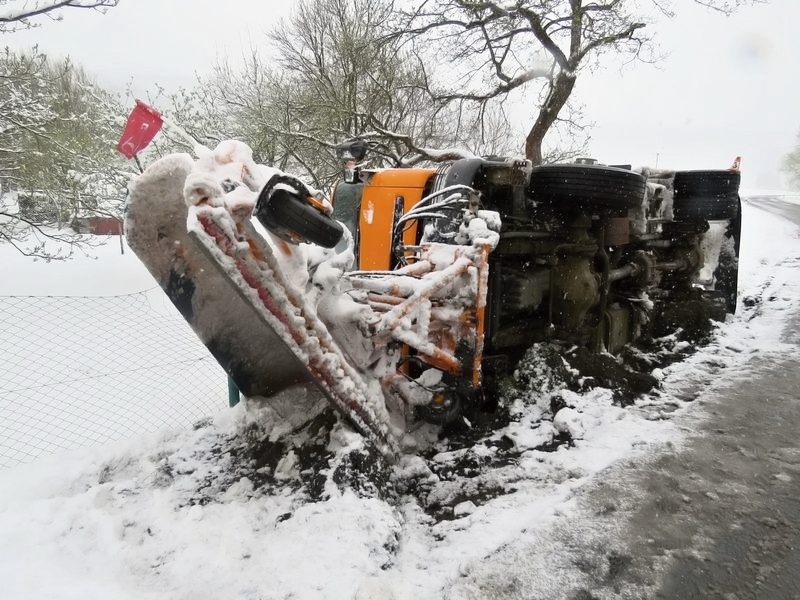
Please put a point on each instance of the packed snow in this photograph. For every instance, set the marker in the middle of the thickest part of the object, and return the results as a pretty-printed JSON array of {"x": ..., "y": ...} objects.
[{"x": 189, "y": 514}]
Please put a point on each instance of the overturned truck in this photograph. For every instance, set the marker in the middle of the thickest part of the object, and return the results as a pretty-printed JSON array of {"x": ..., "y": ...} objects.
[{"x": 408, "y": 292}]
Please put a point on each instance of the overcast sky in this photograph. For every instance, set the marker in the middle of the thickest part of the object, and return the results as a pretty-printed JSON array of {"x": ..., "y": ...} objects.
[{"x": 730, "y": 86}]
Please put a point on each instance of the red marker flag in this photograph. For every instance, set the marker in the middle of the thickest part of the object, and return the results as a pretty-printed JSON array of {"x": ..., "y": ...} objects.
[{"x": 143, "y": 124}]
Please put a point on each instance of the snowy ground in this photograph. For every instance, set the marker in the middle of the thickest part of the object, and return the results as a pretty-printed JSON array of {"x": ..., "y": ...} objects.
[{"x": 194, "y": 514}]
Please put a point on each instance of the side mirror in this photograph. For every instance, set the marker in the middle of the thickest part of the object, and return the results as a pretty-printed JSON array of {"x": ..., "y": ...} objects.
[{"x": 354, "y": 150}]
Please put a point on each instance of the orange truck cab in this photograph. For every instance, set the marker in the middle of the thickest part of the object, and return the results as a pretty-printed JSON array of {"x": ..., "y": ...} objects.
[{"x": 370, "y": 209}]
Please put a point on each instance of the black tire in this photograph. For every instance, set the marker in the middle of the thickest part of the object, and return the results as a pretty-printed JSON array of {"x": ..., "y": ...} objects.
[
  {"x": 706, "y": 195},
  {"x": 706, "y": 183},
  {"x": 291, "y": 218},
  {"x": 574, "y": 187},
  {"x": 443, "y": 414}
]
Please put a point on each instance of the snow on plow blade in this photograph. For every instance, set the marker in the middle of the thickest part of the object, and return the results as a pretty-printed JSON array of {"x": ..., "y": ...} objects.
[{"x": 383, "y": 347}]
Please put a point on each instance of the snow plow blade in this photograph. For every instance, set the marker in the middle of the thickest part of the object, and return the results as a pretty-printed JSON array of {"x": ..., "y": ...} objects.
[
  {"x": 223, "y": 279},
  {"x": 155, "y": 226}
]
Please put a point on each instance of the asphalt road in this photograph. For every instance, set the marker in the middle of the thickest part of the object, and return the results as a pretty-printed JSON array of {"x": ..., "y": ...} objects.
[
  {"x": 720, "y": 517},
  {"x": 788, "y": 210},
  {"x": 749, "y": 528}
]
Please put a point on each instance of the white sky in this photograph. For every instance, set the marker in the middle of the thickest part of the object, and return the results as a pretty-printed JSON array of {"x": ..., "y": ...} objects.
[{"x": 728, "y": 88}]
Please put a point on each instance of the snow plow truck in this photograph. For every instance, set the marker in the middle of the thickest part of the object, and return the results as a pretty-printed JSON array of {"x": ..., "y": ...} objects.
[{"x": 404, "y": 295}]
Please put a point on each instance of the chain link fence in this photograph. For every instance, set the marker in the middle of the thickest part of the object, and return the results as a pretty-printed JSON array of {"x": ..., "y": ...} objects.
[{"x": 80, "y": 371}]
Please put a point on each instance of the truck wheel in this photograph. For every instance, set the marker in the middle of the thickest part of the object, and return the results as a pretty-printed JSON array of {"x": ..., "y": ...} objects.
[
  {"x": 293, "y": 219},
  {"x": 441, "y": 414},
  {"x": 706, "y": 195},
  {"x": 571, "y": 187}
]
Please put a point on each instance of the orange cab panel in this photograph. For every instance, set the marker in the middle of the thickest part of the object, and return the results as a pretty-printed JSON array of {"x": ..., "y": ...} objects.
[{"x": 377, "y": 213}]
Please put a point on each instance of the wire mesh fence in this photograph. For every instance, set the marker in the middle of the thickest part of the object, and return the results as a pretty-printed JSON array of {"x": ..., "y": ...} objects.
[{"x": 79, "y": 371}]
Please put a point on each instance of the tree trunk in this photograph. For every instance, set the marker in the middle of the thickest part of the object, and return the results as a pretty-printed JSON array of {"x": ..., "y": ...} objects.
[{"x": 556, "y": 99}]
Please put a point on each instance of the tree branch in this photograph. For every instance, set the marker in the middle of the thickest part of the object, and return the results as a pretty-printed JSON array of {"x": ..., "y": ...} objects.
[{"x": 41, "y": 8}]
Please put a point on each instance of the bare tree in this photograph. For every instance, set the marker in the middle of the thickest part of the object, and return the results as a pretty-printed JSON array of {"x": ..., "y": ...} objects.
[
  {"x": 502, "y": 48},
  {"x": 23, "y": 14},
  {"x": 245, "y": 102},
  {"x": 342, "y": 77}
]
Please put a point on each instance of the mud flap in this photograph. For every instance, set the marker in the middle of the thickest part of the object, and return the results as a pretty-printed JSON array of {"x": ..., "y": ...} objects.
[{"x": 727, "y": 272}]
